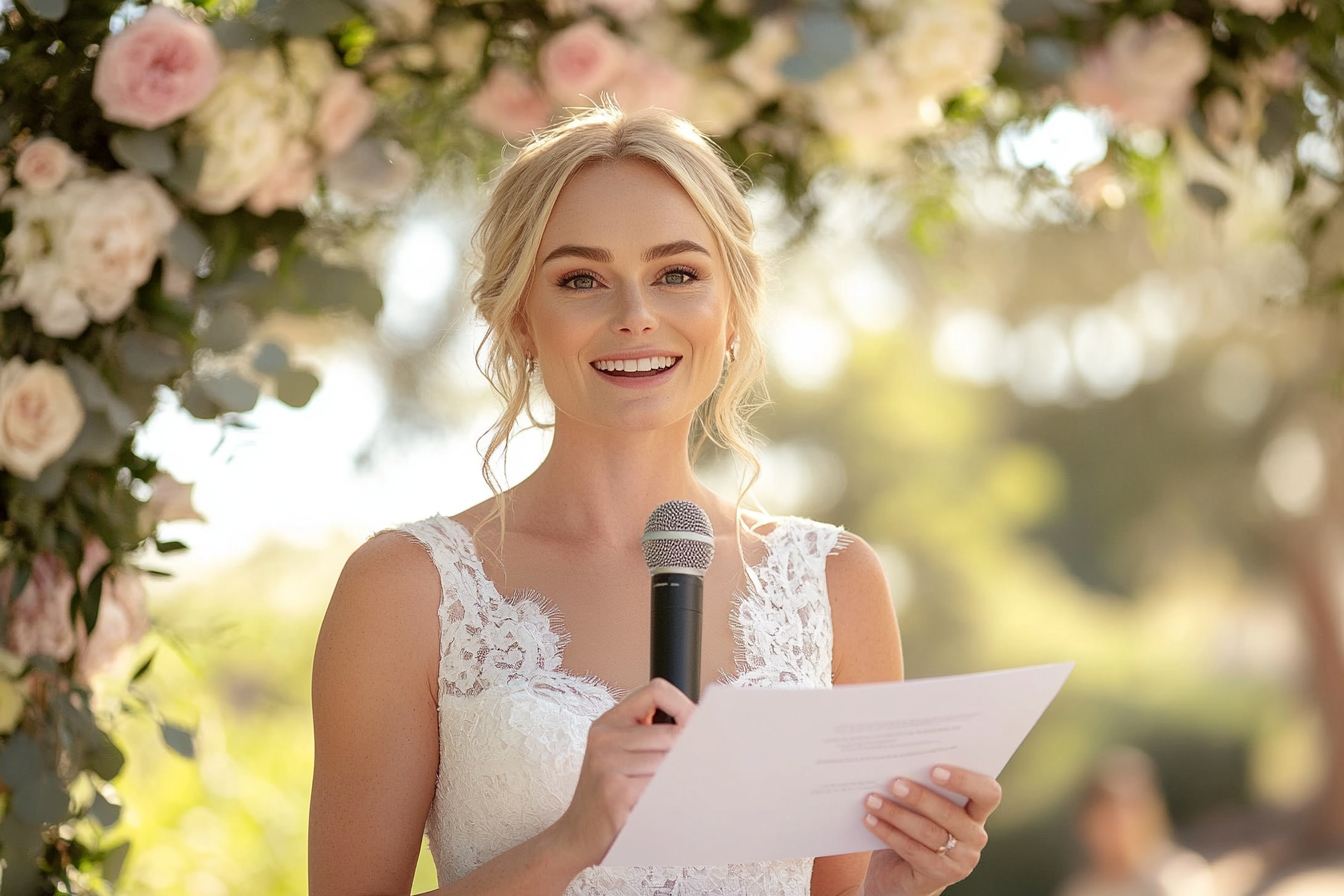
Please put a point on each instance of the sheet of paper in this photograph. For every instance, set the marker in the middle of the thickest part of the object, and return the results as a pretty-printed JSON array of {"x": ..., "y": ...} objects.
[{"x": 762, "y": 774}]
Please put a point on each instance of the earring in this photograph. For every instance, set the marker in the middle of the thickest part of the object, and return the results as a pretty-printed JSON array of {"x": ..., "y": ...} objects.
[
  {"x": 732, "y": 351},
  {"x": 531, "y": 365}
]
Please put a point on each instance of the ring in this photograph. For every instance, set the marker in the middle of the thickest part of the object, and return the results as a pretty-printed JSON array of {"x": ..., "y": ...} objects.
[{"x": 947, "y": 847}]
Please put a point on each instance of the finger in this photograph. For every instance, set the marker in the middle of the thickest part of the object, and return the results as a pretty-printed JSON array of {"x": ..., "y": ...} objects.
[
  {"x": 633, "y": 738},
  {"x": 952, "y": 818},
  {"x": 982, "y": 791},
  {"x": 942, "y": 869},
  {"x": 924, "y": 831},
  {"x": 662, "y": 694}
]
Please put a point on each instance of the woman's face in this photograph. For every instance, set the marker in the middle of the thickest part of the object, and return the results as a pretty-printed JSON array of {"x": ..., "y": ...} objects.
[{"x": 627, "y": 311}]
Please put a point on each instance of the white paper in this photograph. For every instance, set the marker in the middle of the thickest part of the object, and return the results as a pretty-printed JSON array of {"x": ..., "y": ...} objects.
[{"x": 762, "y": 774}]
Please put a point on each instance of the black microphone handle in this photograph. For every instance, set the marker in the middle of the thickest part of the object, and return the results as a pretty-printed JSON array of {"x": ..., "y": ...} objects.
[{"x": 677, "y": 606}]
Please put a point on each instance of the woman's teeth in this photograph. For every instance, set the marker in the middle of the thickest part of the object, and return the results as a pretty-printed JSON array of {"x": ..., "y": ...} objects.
[{"x": 634, "y": 365}]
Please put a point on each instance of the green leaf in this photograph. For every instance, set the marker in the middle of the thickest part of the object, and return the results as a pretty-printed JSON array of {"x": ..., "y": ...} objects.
[
  {"x": 149, "y": 151},
  {"x": 296, "y": 387},
  {"x": 22, "y": 573},
  {"x": 41, "y": 800},
  {"x": 101, "y": 755},
  {"x": 93, "y": 597},
  {"x": 228, "y": 329},
  {"x": 1281, "y": 120},
  {"x": 1207, "y": 195},
  {"x": 114, "y": 861},
  {"x": 22, "y": 846},
  {"x": 104, "y": 811},
  {"x": 169, "y": 547},
  {"x": 237, "y": 34},
  {"x": 20, "y": 760},
  {"x": 231, "y": 392},
  {"x": 186, "y": 244},
  {"x": 179, "y": 740},
  {"x": 271, "y": 360},
  {"x": 311, "y": 18},
  {"x": 328, "y": 286},
  {"x": 198, "y": 403},
  {"x": 150, "y": 357},
  {"x": 144, "y": 667},
  {"x": 51, "y": 10},
  {"x": 187, "y": 172}
]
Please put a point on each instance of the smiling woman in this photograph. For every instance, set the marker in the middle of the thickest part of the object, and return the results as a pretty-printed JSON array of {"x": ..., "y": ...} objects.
[{"x": 488, "y": 685}]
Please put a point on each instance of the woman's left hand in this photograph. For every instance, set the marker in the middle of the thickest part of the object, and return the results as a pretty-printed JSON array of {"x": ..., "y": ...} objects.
[{"x": 932, "y": 841}]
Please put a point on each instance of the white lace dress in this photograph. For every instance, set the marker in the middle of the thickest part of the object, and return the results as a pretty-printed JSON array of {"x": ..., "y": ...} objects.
[{"x": 513, "y": 725}]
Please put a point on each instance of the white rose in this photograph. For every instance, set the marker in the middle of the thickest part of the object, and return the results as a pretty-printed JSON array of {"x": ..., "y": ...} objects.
[
  {"x": 311, "y": 63},
  {"x": 244, "y": 126},
  {"x": 867, "y": 105},
  {"x": 115, "y": 237},
  {"x": 1265, "y": 9},
  {"x": 459, "y": 46},
  {"x": 774, "y": 39},
  {"x": 720, "y": 107},
  {"x": 53, "y": 302},
  {"x": 944, "y": 46},
  {"x": 44, "y": 164},
  {"x": 289, "y": 184},
  {"x": 40, "y": 416},
  {"x": 401, "y": 19},
  {"x": 1144, "y": 71}
]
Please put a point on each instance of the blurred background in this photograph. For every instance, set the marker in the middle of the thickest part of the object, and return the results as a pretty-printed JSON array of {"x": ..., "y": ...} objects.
[
  {"x": 1063, "y": 445},
  {"x": 1065, "y": 366}
]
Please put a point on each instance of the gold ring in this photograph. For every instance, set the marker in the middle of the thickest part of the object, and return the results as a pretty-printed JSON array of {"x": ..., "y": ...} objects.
[{"x": 948, "y": 846}]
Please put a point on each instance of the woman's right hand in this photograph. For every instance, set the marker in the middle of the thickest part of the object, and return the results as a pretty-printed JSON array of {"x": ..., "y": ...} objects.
[{"x": 624, "y": 749}]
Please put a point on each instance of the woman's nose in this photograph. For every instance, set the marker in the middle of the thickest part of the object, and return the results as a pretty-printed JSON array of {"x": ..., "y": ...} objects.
[{"x": 633, "y": 313}]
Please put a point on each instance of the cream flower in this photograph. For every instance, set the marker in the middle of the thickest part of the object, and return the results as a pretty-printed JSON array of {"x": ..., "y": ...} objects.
[
  {"x": 459, "y": 46},
  {"x": 39, "y": 620},
  {"x": 292, "y": 181},
  {"x": 944, "y": 46},
  {"x": 40, "y": 416},
  {"x": 44, "y": 164},
  {"x": 244, "y": 126},
  {"x": 344, "y": 111},
  {"x": 1144, "y": 72},
  {"x": 756, "y": 65},
  {"x": 311, "y": 63},
  {"x": 401, "y": 19}
]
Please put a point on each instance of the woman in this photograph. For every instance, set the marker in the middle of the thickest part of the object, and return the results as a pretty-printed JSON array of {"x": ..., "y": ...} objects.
[{"x": 617, "y": 272}]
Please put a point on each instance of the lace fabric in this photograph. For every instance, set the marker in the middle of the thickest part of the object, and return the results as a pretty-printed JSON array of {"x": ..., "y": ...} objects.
[{"x": 513, "y": 724}]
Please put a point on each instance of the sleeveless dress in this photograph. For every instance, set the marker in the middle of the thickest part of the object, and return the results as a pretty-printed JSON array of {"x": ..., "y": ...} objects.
[{"x": 513, "y": 725}]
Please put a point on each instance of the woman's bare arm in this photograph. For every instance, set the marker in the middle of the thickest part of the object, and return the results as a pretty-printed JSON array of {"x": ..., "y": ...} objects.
[{"x": 375, "y": 722}]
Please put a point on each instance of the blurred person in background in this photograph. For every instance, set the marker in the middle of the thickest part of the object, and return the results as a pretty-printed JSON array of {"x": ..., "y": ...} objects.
[{"x": 1125, "y": 833}]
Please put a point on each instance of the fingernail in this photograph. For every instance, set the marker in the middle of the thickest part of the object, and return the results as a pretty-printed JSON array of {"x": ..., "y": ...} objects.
[
  {"x": 870, "y": 821},
  {"x": 900, "y": 788},
  {"x": 874, "y": 801},
  {"x": 942, "y": 775}
]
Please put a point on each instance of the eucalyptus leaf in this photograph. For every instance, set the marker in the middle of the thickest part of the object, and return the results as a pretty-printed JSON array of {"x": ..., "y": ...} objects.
[
  {"x": 20, "y": 760},
  {"x": 186, "y": 174},
  {"x": 102, "y": 757},
  {"x": 237, "y": 34},
  {"x": 169, "y": 547},
  {"x": 270, "y": 359},
  {"x": 312, "y": 17},
  {"x": 179, "y": 740},
  {"x": 186, "y": 244},
  {"x": 93, "y": 598},
  {"x": 227, "y": 329},
  {"x": 296, "y": 387},
  {"x": 98, "y": 441},
  {"x": 114, "y": 861},
  {"x": 22, "y": 573},
  {"x": 198, "y": 403},
  {"x": 104, "y": 811},
  {"x": 92, "y": 390},
  {"x": 144, "y": 667},
  {"x": 328, "y": 286},
  {"x": 150, "y": 357},
  {"x": 51, "y": 10},
  {"x": 41, "y": 800},
  {"x": 1281, "y": 123},
  {"x": 231, "y": 392},
  {"x": 1207, "y": 195},
  {"x": 149, "y": 151},
  {"x": 21, "y": 844},
  {"x": 829, "y": 41}
]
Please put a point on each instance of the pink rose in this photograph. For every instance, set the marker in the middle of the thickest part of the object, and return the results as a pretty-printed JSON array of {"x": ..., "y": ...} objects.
[
  {"x": 509, "y": 104},
  {"x": 39, "y": 620},
  {"x": 157, "y": 69},
  {"x": 1265, "y": 9},
  {"x": 580, "y": 61},
  {"x": 1144, "y": 72},
  {"x": 122, "y": 617},
  {"x": 344, "y": 111},
  {"x": 648, "y": 81},
  {"x": 292, "y": 181},
  {"x": 44, "y": 164}
]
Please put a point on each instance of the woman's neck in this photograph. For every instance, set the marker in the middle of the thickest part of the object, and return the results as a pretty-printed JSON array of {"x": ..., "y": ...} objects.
[{"x": 601, "y": 486}]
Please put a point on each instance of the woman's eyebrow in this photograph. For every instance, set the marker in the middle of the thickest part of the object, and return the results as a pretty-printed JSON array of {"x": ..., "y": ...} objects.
[{"x": 592, "y": 253}]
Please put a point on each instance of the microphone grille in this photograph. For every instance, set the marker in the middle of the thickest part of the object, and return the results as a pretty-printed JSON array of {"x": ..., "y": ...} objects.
[{"x": 678, "y": 535}]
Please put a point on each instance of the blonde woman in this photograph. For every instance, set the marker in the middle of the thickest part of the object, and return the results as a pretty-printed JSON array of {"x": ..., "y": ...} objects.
[{"x": 483, "y": 679}]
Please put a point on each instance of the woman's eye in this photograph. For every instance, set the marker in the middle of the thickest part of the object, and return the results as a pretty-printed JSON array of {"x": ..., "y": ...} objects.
[
  {"x": 678, "y": 278},
  {"x": 580, "y": 281}
]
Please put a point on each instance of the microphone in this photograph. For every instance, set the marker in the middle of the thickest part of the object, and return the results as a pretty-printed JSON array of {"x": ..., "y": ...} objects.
[{"x": 678, "y": 546}]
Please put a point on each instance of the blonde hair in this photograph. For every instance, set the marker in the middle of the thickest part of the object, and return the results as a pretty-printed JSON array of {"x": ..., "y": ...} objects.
[{"x": 507, "y": 239}]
